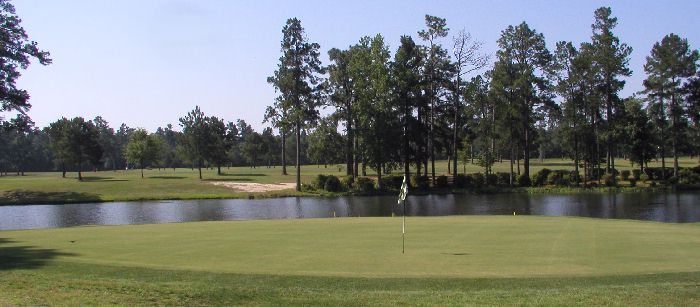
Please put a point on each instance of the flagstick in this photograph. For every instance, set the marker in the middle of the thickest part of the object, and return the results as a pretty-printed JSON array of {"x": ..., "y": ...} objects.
[{"x": 403, "y": 229}]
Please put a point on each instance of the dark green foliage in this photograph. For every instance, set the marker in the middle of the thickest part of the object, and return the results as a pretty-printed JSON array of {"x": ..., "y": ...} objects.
[
  {"x": 503, "y": 179},
  {"x": 574, "y": 177},
  {"x": 478, "y": 180},
  {"x": 420, "y": 183},
  {"x": 610, "y": 180},
  {"x": 633, "y": 182},
  {"x": 645, "y": 177},
  {"x": 540, "y": 178},
  {"x": 365, "y": 185},
  {"x": 491, "y": 180},
  {"x": 75, "y": 142},
  {"x": 462, "y": 181},
  {"x": 16, "y": 53},
  {"x": 348, "y": 182},
  {"x": 296, "y": 80},
  {"x": 558, "y": 178},
  {"x": 688, "y": 176},
  {"x": 319, "y": 182},
  {"x": 625, "y": 174},
  {"x": 392, "y": 182},
  {"x": 636, "y": 174},
  {"x": 333, "y": 184},
  {"x": 524, "y": 181},
  {"x": 442, "y": 182}
]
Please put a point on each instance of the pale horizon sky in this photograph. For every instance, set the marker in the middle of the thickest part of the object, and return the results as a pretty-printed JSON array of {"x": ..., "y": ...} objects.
[{"x": 147, "y": 63}]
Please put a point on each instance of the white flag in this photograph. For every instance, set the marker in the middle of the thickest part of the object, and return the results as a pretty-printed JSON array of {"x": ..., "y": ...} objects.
[{"x": 404, "y": 190}]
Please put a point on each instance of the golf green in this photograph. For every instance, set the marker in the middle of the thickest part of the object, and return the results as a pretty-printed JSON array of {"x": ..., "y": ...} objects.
[{"x": 359, "y": 252}]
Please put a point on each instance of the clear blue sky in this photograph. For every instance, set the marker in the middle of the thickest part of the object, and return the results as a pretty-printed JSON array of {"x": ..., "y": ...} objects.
[{"x": 147, "y": 63}]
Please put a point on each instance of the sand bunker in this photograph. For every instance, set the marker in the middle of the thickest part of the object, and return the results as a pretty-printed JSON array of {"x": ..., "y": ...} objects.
[{"x": 255, "y": 187}]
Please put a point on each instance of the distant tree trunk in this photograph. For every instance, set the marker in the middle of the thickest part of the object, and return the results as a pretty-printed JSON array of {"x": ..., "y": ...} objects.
[
  {"x": 298, "y": 152},
  {"x": 63, "y": 170},
  {"x": 141, "y": 170},
  {"x": 449, "y": 164},
  {"x": 349, "y": 148},
  {"x": 406, "y": 155},
  {"x": 471, "y": 153},
  {"x": 356, "y": 159},
  {"x": 218, "y": 169},
  {"x": 526, "y": 149},
  {"x": 284, "y": 152},
  {"x": 510, "y": 178},
  {"x": 674, "y": 133},
  {"x": 199, "y": 167}
]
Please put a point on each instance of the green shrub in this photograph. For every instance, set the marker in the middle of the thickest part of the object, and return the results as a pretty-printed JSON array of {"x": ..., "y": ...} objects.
[
  {"x": 688, "y": 176},
  {"x": 610, "y": 180},
  {"x": 441, "y": 182},
  {"x": 307, "y": 188},
  {"x": 420, "y": 182},
  {"x": 391, "y": 182},
  {"x": 614, "y": 172},
  {"x": 558, "y": 178},
  {"x": 524, "y": 181},
  {"x": 348, "y": 182},
  {"x": 478, "y": 179},
  {"x": 333, "y": 184},
  {"x": 540, "y": 178},
  {"x": 462, "y": 181},
  {"x": 364, "y": 184},
  {"x": 645, "y": 177},
  {"x": 636, "y": 174},
  {"x": 491, "y": 179},
  {"x": 503, "y": 179},
  {"x": 319, "y": 182},
  {"x": 625, "y": 174},
  {"x": 574, "y": 177}
]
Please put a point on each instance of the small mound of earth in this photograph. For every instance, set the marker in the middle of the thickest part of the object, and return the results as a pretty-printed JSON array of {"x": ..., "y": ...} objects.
[{"x": 255, "y": 187}]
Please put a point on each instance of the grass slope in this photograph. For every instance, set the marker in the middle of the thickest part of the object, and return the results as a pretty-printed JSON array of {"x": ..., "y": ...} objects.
[
  {"x": 184, "y": 183},
  {"x": 449, "y": 260}
]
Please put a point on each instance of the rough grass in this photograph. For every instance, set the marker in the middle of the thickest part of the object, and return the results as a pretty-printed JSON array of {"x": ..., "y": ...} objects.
[
  {"x": 502, "y": 260},
  {"x": 184, "y": 183}
]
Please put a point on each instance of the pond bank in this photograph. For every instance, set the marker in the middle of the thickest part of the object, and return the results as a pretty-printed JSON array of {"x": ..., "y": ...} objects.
[{"x": 28, "y": 197}]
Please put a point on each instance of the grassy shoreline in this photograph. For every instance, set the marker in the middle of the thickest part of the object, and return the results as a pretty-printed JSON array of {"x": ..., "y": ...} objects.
[
  {"x": 184, "y": 184},
  {"x": 21, "y": 198}
]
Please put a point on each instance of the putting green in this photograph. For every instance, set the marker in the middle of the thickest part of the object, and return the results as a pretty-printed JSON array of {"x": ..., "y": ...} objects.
[{"x": 436, "y": 247}]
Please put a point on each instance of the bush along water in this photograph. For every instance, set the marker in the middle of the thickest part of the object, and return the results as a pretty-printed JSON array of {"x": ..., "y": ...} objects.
[{"x": 688, "y": 178}]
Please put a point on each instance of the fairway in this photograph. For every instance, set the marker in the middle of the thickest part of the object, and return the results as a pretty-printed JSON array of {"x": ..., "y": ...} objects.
[{"x": 271, "y": 255}]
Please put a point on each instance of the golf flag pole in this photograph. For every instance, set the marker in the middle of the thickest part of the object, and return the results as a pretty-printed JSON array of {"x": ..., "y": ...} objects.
[{"x": 402, "y": 198}]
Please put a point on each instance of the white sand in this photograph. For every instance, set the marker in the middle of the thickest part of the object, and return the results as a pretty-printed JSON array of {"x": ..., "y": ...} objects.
[{"x": 255, "y": 187}]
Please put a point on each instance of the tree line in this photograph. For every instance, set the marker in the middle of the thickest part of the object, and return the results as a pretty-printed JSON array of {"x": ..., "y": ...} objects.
[
  {"x": 530, "y": 101},
  {"x": 78, "y": 145},
  {"x": 427, "y": 101}
]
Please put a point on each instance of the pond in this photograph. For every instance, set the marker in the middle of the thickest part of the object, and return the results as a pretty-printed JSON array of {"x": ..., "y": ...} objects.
[{"x": 681, "y": 207}]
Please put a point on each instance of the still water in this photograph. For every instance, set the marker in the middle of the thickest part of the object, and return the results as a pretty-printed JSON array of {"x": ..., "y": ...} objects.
[{"x": 678, "y": 207}]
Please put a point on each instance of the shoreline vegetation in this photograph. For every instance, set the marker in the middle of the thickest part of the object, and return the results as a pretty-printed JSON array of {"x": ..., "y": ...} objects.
[{"x": 549, "y": 176}]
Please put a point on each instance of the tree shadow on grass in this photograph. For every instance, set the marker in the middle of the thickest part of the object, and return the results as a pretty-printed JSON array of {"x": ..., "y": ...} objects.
[
  {"x": 229, "y": 179},
  {"x": 25, "y": 197},
  {"x": 101, "y": 179},
  {"x": 555, "y": 164},
  {"x": 166, "y": 177},
  {"x": 25, "y": 257},
  {"x": 241, "y": 175}
]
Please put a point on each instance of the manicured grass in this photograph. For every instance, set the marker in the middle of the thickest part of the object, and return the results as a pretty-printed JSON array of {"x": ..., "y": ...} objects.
[
  {"x": 185, "y": 184},
  {"x": 501, "y": 260}
]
